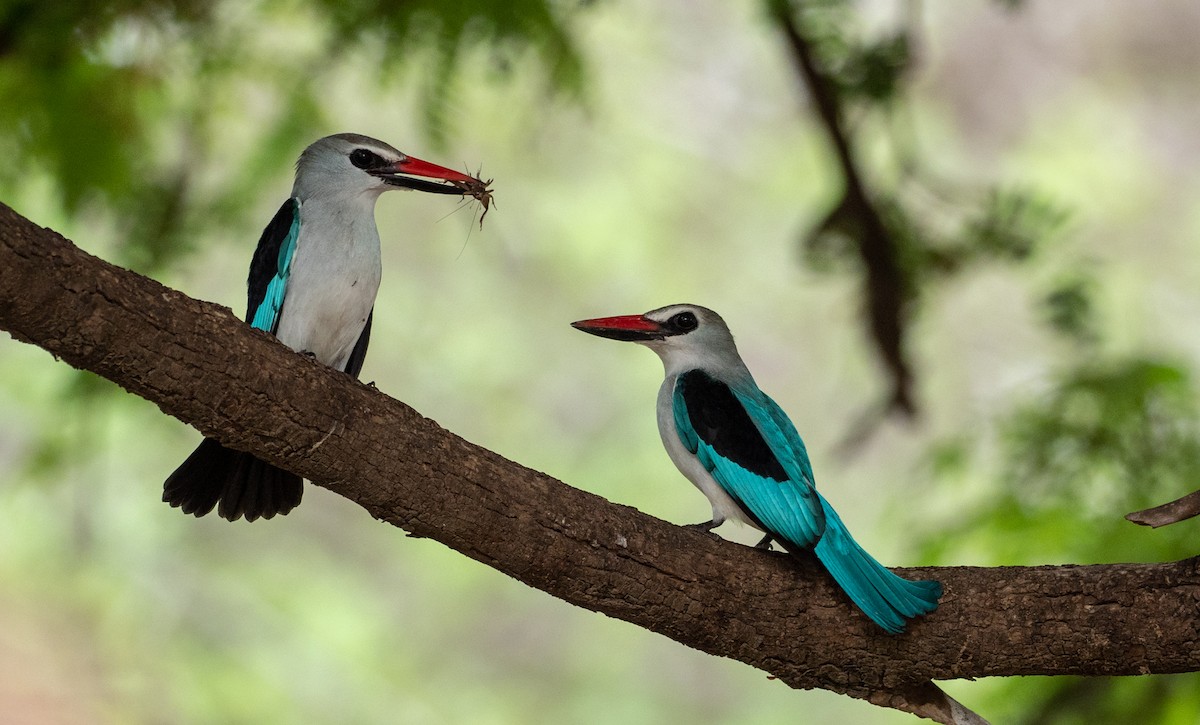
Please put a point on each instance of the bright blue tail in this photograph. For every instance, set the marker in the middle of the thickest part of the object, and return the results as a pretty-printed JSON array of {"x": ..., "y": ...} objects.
[{"x": 887, "y": 599}]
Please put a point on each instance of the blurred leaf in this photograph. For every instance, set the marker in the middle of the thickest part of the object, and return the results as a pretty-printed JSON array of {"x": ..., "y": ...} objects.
[
  {"x": 863, "y": 69},
  {"x": 950, "y": 457},
  {"x": 874, "y": 70},
  {"x": 1127, "y": 428},
  {"x": 1011, "y": 223},
  {"x": 450, "y": 31},
  {"x": 1083, "y": 701},
  {"x": 1069, "y": 309}
]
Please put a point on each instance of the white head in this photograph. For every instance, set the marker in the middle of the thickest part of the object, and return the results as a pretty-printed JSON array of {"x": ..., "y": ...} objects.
[
  {"x": 685, "y": 336},
  {"x": 351, "y": 165}
]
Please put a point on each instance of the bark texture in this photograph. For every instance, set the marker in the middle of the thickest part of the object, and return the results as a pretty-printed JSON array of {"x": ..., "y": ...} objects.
[{"x": 199, "y": 363}]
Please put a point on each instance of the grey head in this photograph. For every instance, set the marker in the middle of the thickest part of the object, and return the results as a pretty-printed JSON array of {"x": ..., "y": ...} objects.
[
  {"x": 350, "y": 165},
  {"x": 685, "y": 336}
]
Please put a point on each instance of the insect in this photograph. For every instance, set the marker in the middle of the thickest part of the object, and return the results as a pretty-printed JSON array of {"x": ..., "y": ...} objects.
[{"x": 480, "y": 190}]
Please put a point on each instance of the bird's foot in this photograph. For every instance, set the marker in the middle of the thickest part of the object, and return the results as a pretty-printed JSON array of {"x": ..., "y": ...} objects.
[
  {"x": 765, "y": 544},
  {"x": 705, "y": 526},
  {"x": 309, "y": 354},
  {"x": 372, "y": 385}
]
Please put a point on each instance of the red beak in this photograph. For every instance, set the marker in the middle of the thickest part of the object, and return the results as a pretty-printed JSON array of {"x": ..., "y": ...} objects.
[
  {"x": 627, "y": 328},
  {"x": 416, "y": 167},
  {"x": 401, "y": 173}
]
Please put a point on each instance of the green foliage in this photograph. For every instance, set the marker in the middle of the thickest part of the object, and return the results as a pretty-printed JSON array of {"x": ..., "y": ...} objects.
[
  {"x": 1106, "y": 438},
  {"x": 863, "y": 69},
  {"x": 98, "y": 113},
  {"x": 1010, "y": 224},
  {"x": 1124, "y": 430},
  {"x": 449, "y": 31},
  {"x": 1084, "y": 701},
  {"x": 1069, "y": 309}
]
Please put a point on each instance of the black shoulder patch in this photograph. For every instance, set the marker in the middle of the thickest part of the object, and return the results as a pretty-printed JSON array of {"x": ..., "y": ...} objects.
[
  {"x": 265, "y": 263},
  {"x": 720, "y": 420}
]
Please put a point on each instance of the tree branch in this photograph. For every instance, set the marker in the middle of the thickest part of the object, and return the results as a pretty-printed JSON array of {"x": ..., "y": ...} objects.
[
  {"x": 1172, "y": 512},
  {"x": 886, "y": 299},
  {"x": 201, "y": 364}
]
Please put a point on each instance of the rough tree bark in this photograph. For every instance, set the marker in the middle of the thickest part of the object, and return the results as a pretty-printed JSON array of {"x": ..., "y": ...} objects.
[{"x": 201, "y": 364}]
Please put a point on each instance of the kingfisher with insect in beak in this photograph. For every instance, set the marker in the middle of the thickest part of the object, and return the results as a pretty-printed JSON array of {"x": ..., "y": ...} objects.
[
  {"x": 741, "y": 450},
  {"x": 312, "y": 284}
]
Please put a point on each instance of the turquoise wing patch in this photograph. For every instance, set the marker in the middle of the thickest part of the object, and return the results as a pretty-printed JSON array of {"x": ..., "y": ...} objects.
[
  {"x": 732, "y": 439},
  {"x": 266, "y": 314},
  {"x": 780, "y": 433}
]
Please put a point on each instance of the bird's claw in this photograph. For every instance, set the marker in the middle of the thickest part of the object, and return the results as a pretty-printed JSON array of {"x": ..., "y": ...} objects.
[{"x": 705, "y": 527}]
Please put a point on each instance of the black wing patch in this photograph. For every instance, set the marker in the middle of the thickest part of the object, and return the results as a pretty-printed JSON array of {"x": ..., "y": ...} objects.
[
  {"x": 355, "y": 362},
  {"x": 265, "y": 264},
  {"x": 723, "y": 423}
]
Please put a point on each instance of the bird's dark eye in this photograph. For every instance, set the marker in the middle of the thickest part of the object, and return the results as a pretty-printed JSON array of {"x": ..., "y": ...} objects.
[
  {"x": 683, "y": 322},
  {"x": 364, "y": 159}
]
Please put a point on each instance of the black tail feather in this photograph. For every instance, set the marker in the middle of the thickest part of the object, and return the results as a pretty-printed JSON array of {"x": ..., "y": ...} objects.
[{"x": 235, "y": 483}]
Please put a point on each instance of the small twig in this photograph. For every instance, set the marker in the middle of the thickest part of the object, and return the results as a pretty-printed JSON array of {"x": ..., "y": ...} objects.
[{"x": 1180, "y": 509}]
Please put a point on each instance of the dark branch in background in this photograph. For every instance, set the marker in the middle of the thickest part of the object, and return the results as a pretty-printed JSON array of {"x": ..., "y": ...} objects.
[
  {"x": 905, "y": 236},
  {"x": 201, "y": 364},
  {"x": 857, "y": 214},
  {"x": 11, "y": 24}
]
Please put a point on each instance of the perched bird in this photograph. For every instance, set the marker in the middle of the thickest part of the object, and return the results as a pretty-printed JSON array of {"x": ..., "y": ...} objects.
[
  {"x": 741, "y": 450},
  {"x": 312, "y": 284}
]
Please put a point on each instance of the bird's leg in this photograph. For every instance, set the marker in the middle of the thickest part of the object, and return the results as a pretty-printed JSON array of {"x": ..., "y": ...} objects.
[{"x": 765, "y": 544}]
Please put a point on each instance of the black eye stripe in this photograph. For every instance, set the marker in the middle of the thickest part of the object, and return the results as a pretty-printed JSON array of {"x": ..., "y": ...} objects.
[
  {"x": 682, "y": 322},
  {"x": 366, "y": 159}
]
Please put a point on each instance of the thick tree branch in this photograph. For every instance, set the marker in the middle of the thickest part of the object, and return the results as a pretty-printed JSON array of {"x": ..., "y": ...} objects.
[{"x": 199, "y": 363}]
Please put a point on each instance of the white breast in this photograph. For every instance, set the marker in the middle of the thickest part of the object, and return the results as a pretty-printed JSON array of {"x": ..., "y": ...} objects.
[
  {"x": 723, "y": 507},
  {"x": 334, "y": 279}
]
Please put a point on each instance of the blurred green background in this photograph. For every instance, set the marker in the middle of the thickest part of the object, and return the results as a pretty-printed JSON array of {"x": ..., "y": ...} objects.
[{"x": 1036, "y": 159}]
